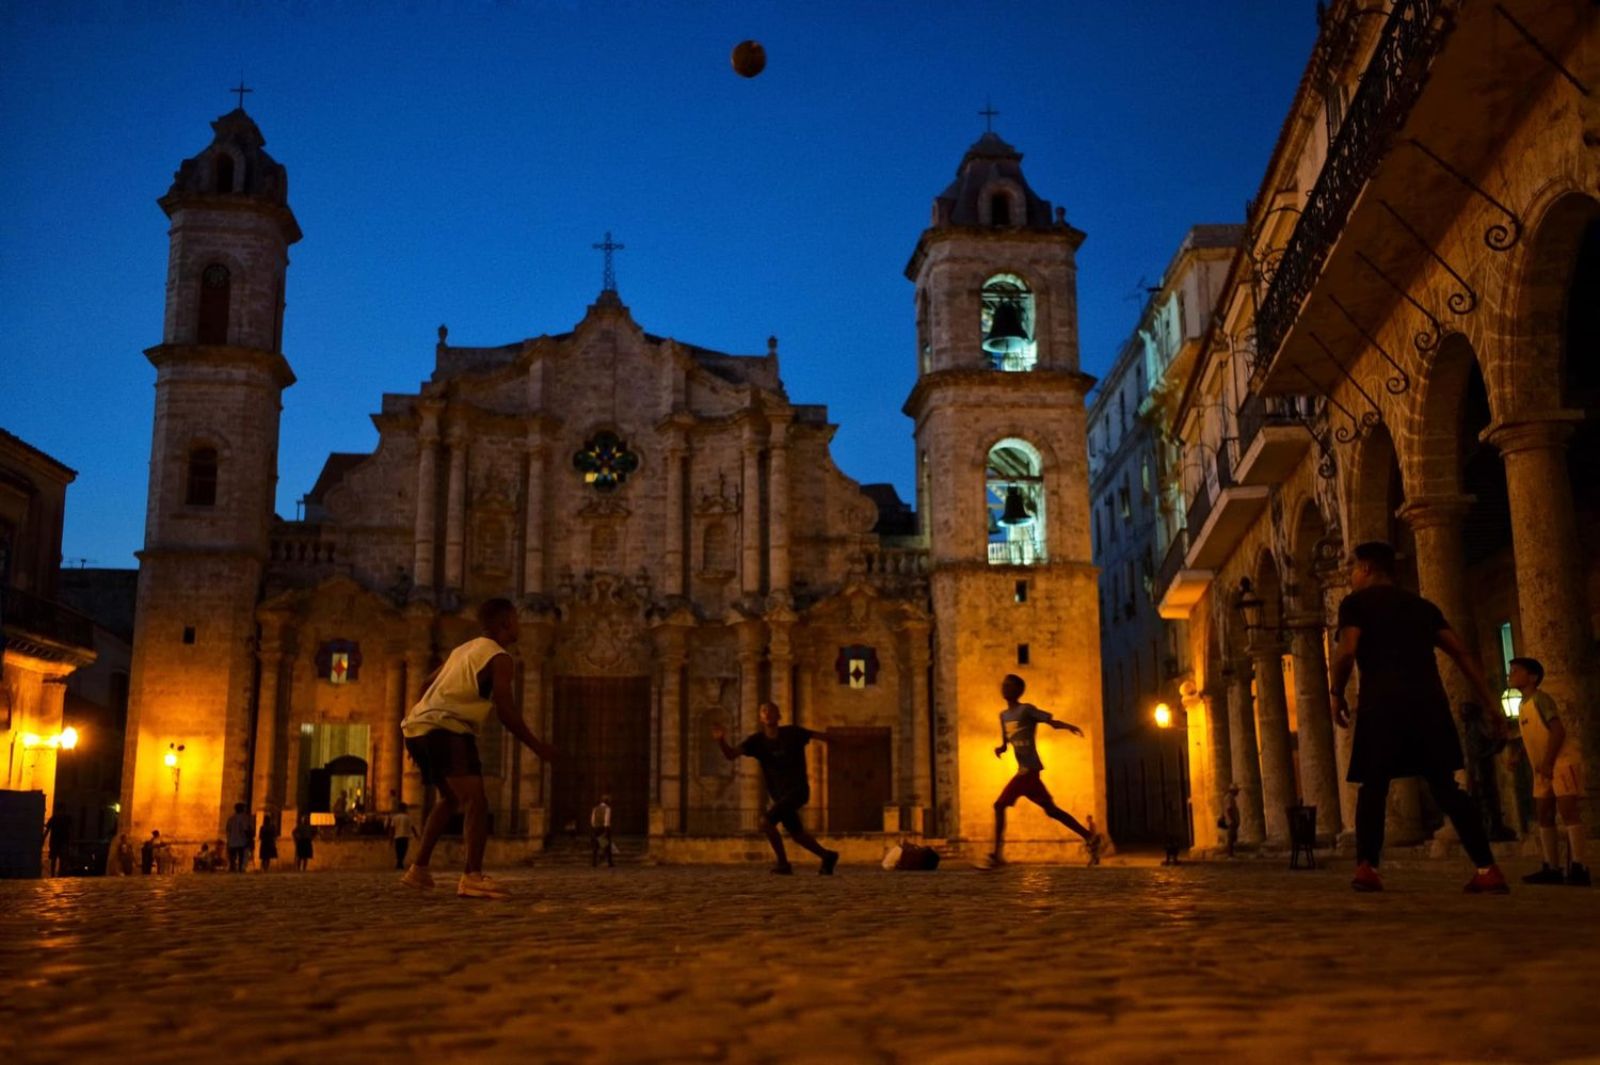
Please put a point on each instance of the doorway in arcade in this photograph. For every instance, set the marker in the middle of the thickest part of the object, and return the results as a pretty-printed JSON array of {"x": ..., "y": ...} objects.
[{"x": 602, "y": 731}]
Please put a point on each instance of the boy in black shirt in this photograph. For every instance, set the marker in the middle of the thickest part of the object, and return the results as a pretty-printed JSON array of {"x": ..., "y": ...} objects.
[
  {"x": 1403, "y": 723},
  {"x": 781, "y": 750}
]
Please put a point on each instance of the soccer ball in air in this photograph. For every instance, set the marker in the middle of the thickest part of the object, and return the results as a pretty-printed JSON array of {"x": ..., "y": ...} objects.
[{"x": 749, "y": 58}]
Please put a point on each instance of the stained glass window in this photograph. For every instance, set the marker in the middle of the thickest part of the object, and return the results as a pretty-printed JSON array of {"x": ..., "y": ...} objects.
[
  {"x": 605, "y": 461},
  {"x": 339, "y": 661}
]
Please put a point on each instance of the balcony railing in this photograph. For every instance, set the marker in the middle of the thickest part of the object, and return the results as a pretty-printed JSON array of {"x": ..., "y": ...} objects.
[
  {"x": 1389, "y": 87},
  {"x": 1260, "y": 411},
  {"x": 1172, "y": 564},
  {"x": 23, "y": 613},
  {"x": 1016, "y": 553},
  {"x": 1205, "y": 496}
]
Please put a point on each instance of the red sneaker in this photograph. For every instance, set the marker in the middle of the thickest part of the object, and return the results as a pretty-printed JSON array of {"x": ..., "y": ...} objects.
[
  {"x": 1489, "y": 882},
  {"x": 1366, "y": 878}
]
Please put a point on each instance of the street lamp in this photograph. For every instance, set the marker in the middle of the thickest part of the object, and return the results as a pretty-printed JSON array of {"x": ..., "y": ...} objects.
[
  {"x": 1249, "y": 604},
  {"x": 1163, "y": 719},
  {"x": 1511, "y": 703},
  {"x": 170, "y": 759},
  {"x": 1163, "y": 715}
]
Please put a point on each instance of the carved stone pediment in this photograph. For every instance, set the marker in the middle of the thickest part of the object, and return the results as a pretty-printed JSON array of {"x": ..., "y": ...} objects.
[
  {"x": 723, "y": 499},
  {"x": 599, "y": 506}
]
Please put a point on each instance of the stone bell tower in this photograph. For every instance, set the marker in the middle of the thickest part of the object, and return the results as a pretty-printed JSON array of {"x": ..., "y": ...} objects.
[
  {"x": 1003, "y": 485},
  {"x": 220, "y": 375}
]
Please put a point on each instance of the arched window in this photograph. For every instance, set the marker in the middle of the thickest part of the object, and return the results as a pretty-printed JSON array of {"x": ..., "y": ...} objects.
[
  {"x": 1015, "y": 504},
  {"x": 1000, "y": 210},
  {"x": 200, "y": 486},
  {"x": 1007, "y": 324},
  {"x": 224, "y": 172},
  {"x": 216, "y": 286}
]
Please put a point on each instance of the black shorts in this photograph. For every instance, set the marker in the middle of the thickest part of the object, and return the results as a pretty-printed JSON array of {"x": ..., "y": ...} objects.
[
  {"x": 785, "y": 811},
  {"x": 442, "y": 754}
]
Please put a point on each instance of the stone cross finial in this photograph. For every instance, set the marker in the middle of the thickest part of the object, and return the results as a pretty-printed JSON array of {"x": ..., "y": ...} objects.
[
  {"x": 988, "y": 114},
  {"x": 608, "y": 278},
  {"x": 241, "y": 90}
]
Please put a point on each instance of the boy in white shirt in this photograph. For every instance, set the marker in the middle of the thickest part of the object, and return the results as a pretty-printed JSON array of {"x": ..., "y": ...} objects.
[
  {"x": 600, "y": 832},
  {"x": 441, "y": 736},
  {"x": 1557, "y": 776}
]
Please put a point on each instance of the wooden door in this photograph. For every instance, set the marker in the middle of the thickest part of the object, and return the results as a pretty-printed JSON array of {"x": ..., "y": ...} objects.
[
  {"x": 602, "y": 734},
  {"x": 860, "y": 767}
]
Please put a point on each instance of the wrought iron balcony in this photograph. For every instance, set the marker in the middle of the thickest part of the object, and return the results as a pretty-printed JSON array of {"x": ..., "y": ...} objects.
[
  {"x": 1389, "y": 88},
  {"x": 25, "y": 615},
  {"x": 1205, "y": 496},
  {"x": 1172, "y": 564}
]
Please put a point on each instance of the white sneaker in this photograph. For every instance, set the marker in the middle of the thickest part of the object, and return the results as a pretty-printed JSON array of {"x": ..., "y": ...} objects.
[
  {"x": 418, "y": 877},
  {"x": 479, "y": 886}
]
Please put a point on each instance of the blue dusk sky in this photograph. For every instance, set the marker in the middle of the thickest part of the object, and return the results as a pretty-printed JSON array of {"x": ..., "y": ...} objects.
[{"x": 452, "y": 162}]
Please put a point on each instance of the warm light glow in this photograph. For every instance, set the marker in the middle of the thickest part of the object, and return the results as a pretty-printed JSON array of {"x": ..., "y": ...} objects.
[
  {"x": 323, "y": 820},
  {"x": 67, "y": 740},
  {"x": 171, "y": 760},
  {"x": 1511, "y": 702},
  {"x": 1163, "y": 715},
  {"x": 30, "y": 740}
]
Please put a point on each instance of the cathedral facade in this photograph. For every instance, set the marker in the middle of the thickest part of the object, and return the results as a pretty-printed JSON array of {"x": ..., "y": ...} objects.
[{"x": 680, "y": 545}]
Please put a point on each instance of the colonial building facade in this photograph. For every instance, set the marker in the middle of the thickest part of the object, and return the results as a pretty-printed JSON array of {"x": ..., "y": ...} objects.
[
  {"x": 1134, "y": 471},
  {"x": 1408, "y": 349},
  {"x": 678, "y": 540}
]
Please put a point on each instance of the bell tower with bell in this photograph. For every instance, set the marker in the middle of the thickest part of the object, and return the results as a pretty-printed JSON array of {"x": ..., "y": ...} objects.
[
  {"x": 1003, "y": 492},
  {"x": 220, "y": 376}
]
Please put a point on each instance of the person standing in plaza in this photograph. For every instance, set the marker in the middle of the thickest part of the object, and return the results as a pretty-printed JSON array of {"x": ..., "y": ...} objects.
[
  {"x": 402, "y": 830},
  {"x": 441, "y": 736},
  {"x": 600, "y": 832},
  {"x": 1557, "y": 776},
  {"x": 1019, "y": 722},
  {"x": 1092, "y": 844},
  {"x": 268, "y": 837},
  {"x": 58, "y": 831},
  {"x": 1403, "y": 724},
  {"x": 780, "y": 750},
  {"x": 120, "y": 860},
  {"x": 241, "y": 830},
  {"x": 147, "y": 853},
  {"x": 302, "y": 835}
]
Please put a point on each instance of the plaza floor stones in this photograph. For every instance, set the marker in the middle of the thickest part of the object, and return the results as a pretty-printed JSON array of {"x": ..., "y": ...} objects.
[{"x": 1216, "y": 962}]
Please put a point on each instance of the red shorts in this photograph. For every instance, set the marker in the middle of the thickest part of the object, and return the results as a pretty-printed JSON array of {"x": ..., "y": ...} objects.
[{"x": 1027, "y": 784}]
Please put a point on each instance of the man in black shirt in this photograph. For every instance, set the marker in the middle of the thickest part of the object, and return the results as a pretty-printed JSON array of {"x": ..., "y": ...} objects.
[
  {"x": 781, "y": 751},
  {"x": 1403, "y": 723}
]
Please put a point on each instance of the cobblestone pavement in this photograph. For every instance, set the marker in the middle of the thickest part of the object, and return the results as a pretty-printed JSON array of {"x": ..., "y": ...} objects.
[{"x": 1219, "y": 962}]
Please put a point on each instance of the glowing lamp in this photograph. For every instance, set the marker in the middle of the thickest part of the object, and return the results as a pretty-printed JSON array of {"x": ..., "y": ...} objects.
[
  {"x": 171, "y": 760},
  {"x": 67, "y": 740},
  {"x": 30, "y": 740},
  {"x": 1163, "y": 715},
  {"x": 1511, "y": 703}
]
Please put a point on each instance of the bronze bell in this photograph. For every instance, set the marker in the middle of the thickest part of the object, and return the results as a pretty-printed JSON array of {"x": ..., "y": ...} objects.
[
  {"x": 1016, "y": 512},
  {"x": 1006, "y": 335}
]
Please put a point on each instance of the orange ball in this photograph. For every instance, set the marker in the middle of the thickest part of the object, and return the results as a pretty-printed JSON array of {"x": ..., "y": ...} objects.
[{"x": 749, "y": 58}]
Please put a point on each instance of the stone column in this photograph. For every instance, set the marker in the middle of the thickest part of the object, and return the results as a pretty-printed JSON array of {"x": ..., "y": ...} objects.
[
  {"x": 671, "y": 656},
  {"x": 427, "y": 499},
  {"x": 1220, "y": 757},
  {"x": 391, "y": 752},
  {"x": 456, "y": 511},
  {"x": 921, "y": 798},
  {"x": 1335, "y": 585},
  {"x": 778, "y": 498},
  {"x": 1202, "y": 787},
  {"x": 1277, "y": 760},
  {"x": 533, "y": 516},
  {"x": 1246, "y": 770},
  {"x": 289, "y": 731},
  {"x": 264, "y": 786},
  {"x": 1442, "y": 578},
  {"x": 1318, "y": 773},
  {"x": 538, "y": 635},
  {"x": 673, "y": 540},
  {"x": 750, "y": 784},
  {"x": 750, "y": 519},
  {"x": 411, "y": 787},
  {"x": 1551, "y": 595}
]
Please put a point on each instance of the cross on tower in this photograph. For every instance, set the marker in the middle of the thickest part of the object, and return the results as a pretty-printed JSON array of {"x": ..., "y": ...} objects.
[
  {"x": 988, "y": 114},
  {"x": 241, "y": 90},
  {"x": 608, "y": 279}
]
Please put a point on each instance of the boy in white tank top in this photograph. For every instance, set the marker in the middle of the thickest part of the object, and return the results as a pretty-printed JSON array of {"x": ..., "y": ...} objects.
[{"x": 441, "y": 736}]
